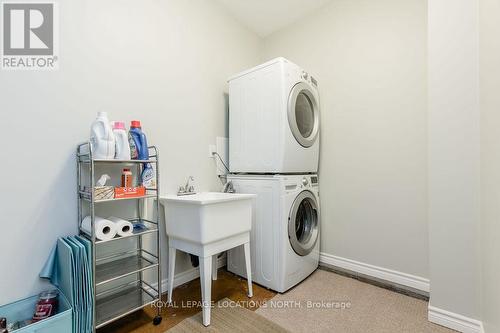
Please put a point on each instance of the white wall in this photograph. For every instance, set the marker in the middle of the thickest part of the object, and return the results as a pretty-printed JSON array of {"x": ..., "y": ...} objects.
[
  {"x": 454, "y": 156},
  {"x": 490, "y": 161},
  {"x": 370, "y": 61},
  {"x": 163, "y": 62},
  {"x": 166, "y": 63}
]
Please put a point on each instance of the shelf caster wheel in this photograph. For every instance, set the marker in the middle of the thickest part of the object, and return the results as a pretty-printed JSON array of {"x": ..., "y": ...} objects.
[{"x": 157, "y": 320}]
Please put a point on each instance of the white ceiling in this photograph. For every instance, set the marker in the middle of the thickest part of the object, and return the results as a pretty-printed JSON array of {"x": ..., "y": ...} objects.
[{"x": 267, "y": 16}]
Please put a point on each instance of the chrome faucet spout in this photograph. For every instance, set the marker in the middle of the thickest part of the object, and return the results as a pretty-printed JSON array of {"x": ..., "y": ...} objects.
[
  {"x": 228, "y": 187},
  {"x": 188, "y": 188},
  {"x": 190, "y": 178}
]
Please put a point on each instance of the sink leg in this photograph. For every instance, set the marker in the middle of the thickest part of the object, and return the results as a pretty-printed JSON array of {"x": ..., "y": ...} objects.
[
  {"x": 249, "y": 268},
  {"x": 206, "y": 287},
  {"x": 171, "y": 272},
  {"x": 214, "y": 267}
]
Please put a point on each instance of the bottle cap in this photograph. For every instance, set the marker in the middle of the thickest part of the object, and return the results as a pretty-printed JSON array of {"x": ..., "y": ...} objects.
[
  {"x": 135, "y": 123},
  {"x": 119, "y": 125},
  {"x": 48, "y": 294}
]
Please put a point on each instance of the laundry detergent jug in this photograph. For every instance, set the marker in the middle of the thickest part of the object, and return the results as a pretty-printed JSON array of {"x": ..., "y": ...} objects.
[
  {"x": 122, "y": 147},
  {"x": 138, "y": 142},
  {"x": 139, "y": 150},
  {"x": 102, "y": 138}
]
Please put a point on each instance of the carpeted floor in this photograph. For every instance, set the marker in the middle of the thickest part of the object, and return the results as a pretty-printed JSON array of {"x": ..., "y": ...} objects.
[
  {"x": 328, "y": 302},
  {"x": 228, "y": 317}
]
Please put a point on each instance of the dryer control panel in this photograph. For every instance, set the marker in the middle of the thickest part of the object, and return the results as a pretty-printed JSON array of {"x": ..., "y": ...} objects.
[{"x": 309, "y": 78}]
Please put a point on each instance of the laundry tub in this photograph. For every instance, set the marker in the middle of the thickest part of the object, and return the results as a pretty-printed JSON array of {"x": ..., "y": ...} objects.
[{"x": 62, "y": 322}]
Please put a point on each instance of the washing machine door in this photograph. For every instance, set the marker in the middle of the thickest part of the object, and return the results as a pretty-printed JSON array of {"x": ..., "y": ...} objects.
[
  {"x": 303, "y": 223},
  {"x": 303, "y": 114}
]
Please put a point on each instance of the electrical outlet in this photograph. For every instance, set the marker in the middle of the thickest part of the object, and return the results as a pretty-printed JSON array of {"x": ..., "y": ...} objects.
[{"x": 211, "y": 150}]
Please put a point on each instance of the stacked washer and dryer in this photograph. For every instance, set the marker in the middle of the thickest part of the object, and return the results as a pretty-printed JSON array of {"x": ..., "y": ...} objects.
[{"x": 274, "y": 153}]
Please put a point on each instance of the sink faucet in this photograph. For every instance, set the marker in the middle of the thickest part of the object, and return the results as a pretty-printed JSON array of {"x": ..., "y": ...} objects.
[
  {"x": 187, "y": 189},
  {"x": 228, "y": 187}
]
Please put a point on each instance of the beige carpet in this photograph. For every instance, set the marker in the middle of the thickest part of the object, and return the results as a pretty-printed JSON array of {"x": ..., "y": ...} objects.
[
  {"x": 228, "y": 317},
  {"x": 354, "y": 307}
]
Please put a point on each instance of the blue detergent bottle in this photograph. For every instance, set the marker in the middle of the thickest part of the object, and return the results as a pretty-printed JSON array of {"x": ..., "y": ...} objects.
[
  {"x": 139, "y": 150},
  {"x": 138, "y": 141}
]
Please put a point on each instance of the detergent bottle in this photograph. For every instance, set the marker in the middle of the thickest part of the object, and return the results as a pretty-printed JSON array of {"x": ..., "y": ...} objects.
[
  {"x": 102, "y": 138},
  {"x": 138, "y": 142},
  {"x": 122, "y": 147},
  {"x": 148, "y": 176},
  {"x": 139, "y": 150}
]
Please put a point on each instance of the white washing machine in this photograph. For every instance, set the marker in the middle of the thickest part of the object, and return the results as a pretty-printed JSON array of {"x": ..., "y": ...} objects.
[
  {"x": 274, "y": 120},
  {"x": 285, "y": 229}
]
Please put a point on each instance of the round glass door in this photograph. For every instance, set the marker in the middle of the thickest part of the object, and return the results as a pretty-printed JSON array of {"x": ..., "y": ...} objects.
[
  {"x": 303, "y": 115},
  {"x": 303, "y": 224}
]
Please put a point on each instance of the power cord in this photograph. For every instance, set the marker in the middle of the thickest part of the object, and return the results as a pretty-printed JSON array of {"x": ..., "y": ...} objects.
[{"x": 220, "y": 158}]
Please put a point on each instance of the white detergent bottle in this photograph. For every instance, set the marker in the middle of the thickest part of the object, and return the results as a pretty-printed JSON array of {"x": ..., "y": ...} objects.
[
  {"x": 102, "y": 138},
  {"x": 122, "y": 147}
]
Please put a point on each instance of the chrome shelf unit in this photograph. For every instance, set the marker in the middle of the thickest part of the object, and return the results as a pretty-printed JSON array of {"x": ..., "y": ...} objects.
[{"x": 120, "y": 300}]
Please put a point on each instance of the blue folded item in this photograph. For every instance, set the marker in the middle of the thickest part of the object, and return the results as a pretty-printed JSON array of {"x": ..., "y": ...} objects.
[
  {"x": 49, "y": 270},
  {"x": 69, "y": 267},
  {"x": 139, "y": 227}
]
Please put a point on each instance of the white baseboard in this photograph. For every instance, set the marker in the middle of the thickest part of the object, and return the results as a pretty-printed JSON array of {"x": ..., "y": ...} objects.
[
  {"x": 400, "y": 278},
  {"x": 454, "y": 321}
]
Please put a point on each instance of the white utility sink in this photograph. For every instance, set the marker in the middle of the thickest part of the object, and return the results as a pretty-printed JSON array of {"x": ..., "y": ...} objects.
[
  {"x": 207, "y": 217},
  {"x": 205, "y": 224}
]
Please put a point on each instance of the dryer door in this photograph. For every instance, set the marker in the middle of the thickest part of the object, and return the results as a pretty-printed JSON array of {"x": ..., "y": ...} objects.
[
  {"x": 303, "y": 223},
  {"x": 303, "y": 114}
]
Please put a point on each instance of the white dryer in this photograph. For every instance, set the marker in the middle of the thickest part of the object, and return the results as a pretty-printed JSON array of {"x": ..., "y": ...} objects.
[
  {"x": 285, "y": 229},
  {"x": 274, "y": 120}
]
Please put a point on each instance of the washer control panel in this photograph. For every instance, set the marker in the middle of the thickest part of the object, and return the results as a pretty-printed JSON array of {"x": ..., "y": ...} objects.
[
  {"x": 302, "y": 182},
  {"x": 305, "y": 182}
]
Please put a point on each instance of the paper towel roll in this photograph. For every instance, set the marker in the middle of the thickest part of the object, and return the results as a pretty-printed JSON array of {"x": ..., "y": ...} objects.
[
  {"x": 104, "y": 229},
  {"x": 123, "y": 227}
]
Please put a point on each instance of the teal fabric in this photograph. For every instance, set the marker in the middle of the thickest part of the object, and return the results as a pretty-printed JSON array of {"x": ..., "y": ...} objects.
[
  {"x": 49, "y": 269},
  {"x": 69, "y": 267}
]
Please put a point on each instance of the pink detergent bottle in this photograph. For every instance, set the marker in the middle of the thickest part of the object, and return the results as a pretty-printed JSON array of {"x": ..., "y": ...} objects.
[{"x": 122, "y": 147}]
